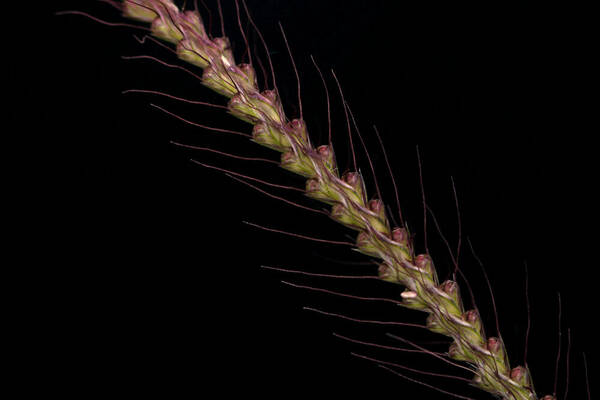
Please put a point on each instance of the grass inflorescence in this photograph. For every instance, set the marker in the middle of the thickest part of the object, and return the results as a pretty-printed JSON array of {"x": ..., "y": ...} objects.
[{"x": 344, "y": 189}]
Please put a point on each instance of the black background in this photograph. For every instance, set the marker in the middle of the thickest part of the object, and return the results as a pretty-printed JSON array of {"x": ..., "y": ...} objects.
[{"x": 157, "y": 289}]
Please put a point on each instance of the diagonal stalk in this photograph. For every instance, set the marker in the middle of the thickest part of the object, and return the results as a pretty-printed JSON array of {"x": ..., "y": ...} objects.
[{"x": 345, "y": 194}]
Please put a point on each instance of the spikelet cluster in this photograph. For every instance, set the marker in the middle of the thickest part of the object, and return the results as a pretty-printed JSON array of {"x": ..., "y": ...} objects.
[{"x": 346, "y": 194}]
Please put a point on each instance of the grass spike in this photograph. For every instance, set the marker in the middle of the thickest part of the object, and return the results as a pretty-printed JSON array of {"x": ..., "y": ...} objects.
[{"x": 346, "y": 193}]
